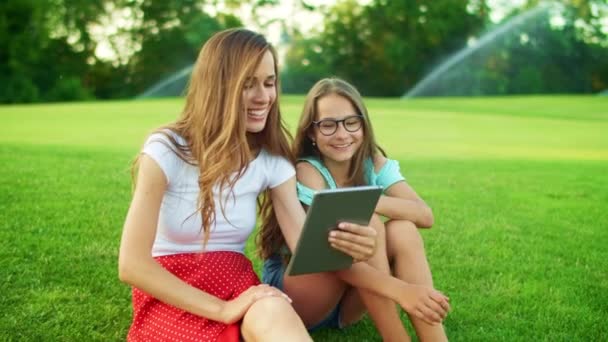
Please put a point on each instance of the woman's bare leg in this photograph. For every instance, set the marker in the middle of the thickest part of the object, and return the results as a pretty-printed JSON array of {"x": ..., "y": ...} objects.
[
  {"x": 273, "y": 319},
  {"x": 406, "y": 251}
]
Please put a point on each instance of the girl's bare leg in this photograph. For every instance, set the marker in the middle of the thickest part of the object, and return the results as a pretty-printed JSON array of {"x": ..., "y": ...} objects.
[
  {"x": 329, "y": 288},
  {"x": 314, "y": 295},
  {"x": 405, "y": 249},
  {"x": 382, "y": 310},
  {"x": 273, "y": 319},
  {"x": 352, "y": 308}
]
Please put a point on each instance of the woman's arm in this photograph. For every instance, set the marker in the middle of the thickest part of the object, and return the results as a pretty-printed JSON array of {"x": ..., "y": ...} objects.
[
  {"x": 401, "y": 202},
  {"x": 138, "y": 268}
]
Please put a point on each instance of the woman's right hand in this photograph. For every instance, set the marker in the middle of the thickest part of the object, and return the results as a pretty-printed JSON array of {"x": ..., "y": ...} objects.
[
  {"x": 234, "y": 310},
  {"x": 424, "y": 303}
]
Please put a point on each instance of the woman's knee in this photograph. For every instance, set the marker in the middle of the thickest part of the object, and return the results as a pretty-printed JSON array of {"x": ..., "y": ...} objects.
[
  {"x": 273, "y": 319},
  {"x": 268, "y": 313}
]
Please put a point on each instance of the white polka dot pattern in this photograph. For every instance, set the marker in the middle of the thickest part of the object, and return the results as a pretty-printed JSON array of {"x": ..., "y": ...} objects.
[{"x": 223, "y": 274}]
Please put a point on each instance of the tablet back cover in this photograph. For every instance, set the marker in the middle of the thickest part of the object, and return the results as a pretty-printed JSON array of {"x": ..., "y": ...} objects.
[{"x": 329, "y": 207}]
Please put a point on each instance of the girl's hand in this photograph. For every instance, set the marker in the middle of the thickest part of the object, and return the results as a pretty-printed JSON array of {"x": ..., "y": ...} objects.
[
  {"x": 355, "y": 240},
  {"x": 234, "y": 310},
  {"x": 424, "y": 303}
]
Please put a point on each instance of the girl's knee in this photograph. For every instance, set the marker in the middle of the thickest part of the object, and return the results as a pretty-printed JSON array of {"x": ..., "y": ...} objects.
[
  {"x": 402, "y": 229},
  {"x": 403, "y": 236},
  {"x": 377, "y": 223}
]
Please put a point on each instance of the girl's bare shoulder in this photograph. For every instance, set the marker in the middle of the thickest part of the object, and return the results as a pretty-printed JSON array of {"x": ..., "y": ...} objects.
[{"x": 308, "y": 175}]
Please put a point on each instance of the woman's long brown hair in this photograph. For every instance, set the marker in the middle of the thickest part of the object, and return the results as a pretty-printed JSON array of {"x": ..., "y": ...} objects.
[
  {"x": 270, "y": 239},
  {"x": 213, "y": 121}
]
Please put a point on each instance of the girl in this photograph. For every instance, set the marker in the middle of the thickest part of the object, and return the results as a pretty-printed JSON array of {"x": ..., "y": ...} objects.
[
  {"x": 335, "y": 147},
  {"x": 194, "y": 206}
]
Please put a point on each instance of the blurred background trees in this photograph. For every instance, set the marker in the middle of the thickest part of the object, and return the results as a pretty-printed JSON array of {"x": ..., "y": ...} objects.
[
  {"x": 61, "y": 50},
  {"x": 384, "y": 47},
  {"x": 57, "y": 50}
]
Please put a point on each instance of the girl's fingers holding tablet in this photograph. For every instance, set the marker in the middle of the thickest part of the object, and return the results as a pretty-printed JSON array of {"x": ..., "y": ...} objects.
[
  {"x": 362, "y": 236},
  {"x": 357, "y": 256},
  {"x": 351, "y": 245},
  {"x": 365, "y": 241},
  {"x": 359, "y": 230}
]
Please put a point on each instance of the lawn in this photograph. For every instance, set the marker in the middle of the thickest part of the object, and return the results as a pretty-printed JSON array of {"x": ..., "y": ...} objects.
[{"x": 518, "y": 185}]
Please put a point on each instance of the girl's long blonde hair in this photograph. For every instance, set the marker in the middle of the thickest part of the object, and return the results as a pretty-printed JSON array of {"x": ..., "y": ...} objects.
[
  {"x": 213, "y": 122},
  {"x": 270, "y": 239}
]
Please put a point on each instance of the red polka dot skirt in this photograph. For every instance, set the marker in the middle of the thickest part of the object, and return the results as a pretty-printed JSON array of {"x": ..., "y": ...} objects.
[{"x": 223, "y": 274}]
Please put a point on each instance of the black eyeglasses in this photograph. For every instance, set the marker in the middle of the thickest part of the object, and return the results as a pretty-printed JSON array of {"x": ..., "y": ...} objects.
[{"x": 329, "y": 126}]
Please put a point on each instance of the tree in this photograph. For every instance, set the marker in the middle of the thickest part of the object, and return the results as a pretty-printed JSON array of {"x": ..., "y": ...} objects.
[
  {"x": 36, "y": 61},
  {"x": 384, "y": 47},
  {"x": 529, "y": 58},
  {"x": 170, "y": 36},
  {"x": 48, "y": 50}
]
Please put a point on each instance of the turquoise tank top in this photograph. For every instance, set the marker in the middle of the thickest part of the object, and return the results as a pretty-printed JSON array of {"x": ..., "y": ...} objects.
[{"x": 388, "y": 175}]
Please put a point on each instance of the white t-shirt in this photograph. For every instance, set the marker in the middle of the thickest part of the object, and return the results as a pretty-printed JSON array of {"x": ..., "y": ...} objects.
[{"x": 179, "y": 223}]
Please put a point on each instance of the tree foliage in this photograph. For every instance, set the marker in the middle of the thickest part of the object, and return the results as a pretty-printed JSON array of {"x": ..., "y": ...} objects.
[
  {"x": 383, "y": 47},
  {"x": 36, "y": 63},
  {"x": 387, "y": 47},
  {"x": 170, "y": 37},
  {"x": 553, "y": 51},
  {"x": 51, "y": 50},
  {"x": 48, "y": 52}
]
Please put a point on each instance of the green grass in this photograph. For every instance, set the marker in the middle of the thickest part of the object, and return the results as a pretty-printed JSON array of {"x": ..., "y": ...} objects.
[{"x": 519, "y": 188}]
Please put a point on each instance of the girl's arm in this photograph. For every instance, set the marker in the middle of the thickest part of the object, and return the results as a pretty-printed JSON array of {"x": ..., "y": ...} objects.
[
  {"x": 401, "y": 202},
  {"x": 424, "y": 302},
  {"x": 357, "y": 241},
  {"x": 138, "y": 268}
]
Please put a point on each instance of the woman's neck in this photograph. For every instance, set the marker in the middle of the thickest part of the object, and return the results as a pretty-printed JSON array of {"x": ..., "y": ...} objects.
[
  {"x": 339, "y": 171},
  {"x": 254, "y": 146}
]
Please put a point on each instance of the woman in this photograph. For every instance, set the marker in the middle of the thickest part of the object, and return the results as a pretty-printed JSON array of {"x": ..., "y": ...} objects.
[
  {"x": 194, "y": 205},
  {"x": 335, "y": 147}
]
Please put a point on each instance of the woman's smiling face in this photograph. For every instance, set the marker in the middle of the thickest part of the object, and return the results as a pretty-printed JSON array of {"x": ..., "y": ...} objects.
[{"x": 260, "y": 93}]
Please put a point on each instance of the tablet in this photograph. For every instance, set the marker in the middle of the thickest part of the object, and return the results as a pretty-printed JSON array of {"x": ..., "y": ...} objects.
[{"x": 329, "y": 207}]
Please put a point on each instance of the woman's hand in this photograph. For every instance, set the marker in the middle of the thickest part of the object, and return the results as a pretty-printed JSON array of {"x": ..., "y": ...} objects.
[
  {"x": 424, "y": 303},
  {"x": 234, "y": 310},
  {"x": 355, "y": 240}
]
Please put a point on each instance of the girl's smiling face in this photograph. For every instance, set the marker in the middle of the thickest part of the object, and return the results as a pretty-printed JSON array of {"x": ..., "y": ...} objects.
[{"x": 341, "y": 146}]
